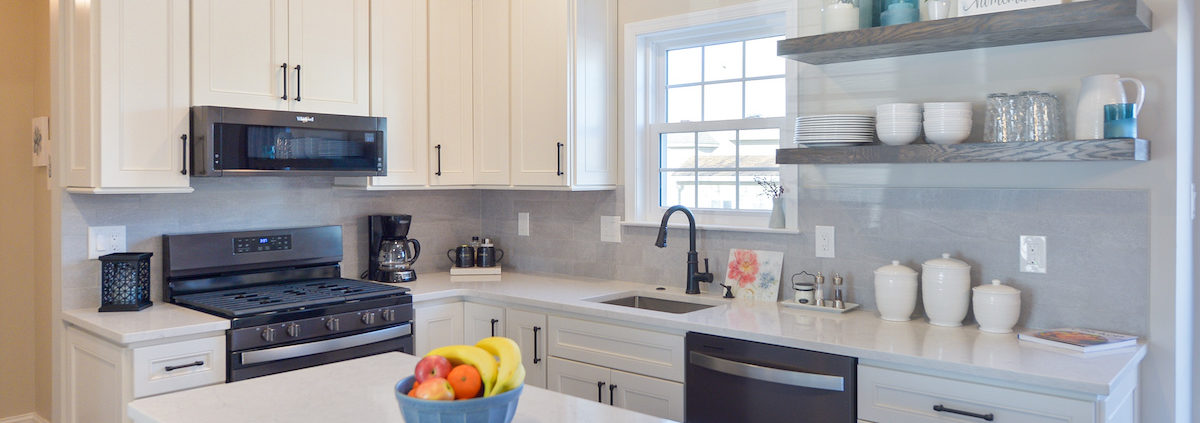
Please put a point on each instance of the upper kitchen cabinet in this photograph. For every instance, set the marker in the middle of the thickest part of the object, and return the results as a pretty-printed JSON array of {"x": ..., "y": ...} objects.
[
  {"x": 126, "y": 89},
  {"x": 451, "y": 155},
  {"x": 300, "y": 55},
  {"x": 562, "y": 94}
]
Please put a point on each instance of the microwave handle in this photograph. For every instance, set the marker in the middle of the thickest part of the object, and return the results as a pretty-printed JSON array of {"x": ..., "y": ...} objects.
[
  {"x": 768, "y": 374},
  {"x": 185, "y": 154}
]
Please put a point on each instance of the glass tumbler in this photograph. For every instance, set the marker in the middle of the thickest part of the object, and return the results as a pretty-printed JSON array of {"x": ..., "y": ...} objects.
[
  {"x": 1039, "y": 117},
  {"x": 1120, "y": 120},
  {"x": 997, "y": 125}
]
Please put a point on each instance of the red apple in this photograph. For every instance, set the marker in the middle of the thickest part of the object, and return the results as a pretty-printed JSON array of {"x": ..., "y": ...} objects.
[
  {"x": 437, "y": 389},
  {"x": 430, "y": 367}
]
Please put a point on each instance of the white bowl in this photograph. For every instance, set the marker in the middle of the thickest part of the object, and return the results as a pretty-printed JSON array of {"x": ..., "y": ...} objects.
[
  {"x": 897, "y": 138},
  {"x": 947, "y": 113},
  {"x": 946, "y": 127},
  {"x": 898, "y": 107},
  {"x": 946, "y": 138},
  {"x": 884, "y": 116},
  {"x": 947, "y": 105}
]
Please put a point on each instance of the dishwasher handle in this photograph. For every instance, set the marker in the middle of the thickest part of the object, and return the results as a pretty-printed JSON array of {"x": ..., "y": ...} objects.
[{"x": 768, "y": 374}]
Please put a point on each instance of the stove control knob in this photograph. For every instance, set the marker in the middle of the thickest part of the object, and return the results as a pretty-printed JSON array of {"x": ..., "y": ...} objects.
[
  {"x": 268, "y": 334},
  {"x": 332, "y": 324},
  {"x": 293, "y": 330},
  {"x": 388, "y": 315},
  {"x": 368, "y": 318}
]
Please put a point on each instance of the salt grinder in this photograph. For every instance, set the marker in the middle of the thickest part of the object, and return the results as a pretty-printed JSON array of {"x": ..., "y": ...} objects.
[
  {"x": 820, "y": 294},
  {"x": 838, "y": 302}
]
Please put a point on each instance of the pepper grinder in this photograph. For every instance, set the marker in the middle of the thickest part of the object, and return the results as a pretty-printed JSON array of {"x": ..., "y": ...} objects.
[
  {"x": 837, "y": 292},
  {"x": 820, "y": 294}
]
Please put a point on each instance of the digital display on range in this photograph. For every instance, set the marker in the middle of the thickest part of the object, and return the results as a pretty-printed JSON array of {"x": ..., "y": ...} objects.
[{"x": 260, "y": 244}]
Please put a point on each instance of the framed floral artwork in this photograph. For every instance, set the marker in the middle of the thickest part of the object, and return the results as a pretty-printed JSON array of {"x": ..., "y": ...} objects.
[{"x": 755, "y": 274}]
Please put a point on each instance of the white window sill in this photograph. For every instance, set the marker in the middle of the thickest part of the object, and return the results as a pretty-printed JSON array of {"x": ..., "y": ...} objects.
[{"x": 711, "y": 227}]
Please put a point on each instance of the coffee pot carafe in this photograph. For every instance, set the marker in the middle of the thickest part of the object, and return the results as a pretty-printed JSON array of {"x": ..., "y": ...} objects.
[
  {"x": 1096, "y": 91},
  {"x": 392, "y": 252}
]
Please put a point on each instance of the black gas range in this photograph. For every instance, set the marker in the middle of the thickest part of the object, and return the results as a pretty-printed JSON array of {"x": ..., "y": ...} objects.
[{"x": 289, "y": 307}]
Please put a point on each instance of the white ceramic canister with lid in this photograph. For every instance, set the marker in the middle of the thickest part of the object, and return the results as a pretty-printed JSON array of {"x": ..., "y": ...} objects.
[
  {"x": 997, "y": 307},
  {"x": 946, "y": 290},
  {"x": 895, "y": 291}
]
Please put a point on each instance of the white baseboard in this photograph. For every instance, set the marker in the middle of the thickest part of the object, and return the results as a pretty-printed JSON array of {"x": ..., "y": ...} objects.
[{"x": 24, "y": 418}]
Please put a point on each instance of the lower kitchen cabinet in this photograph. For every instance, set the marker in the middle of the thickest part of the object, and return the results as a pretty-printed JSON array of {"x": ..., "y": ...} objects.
[
  {"x": 102, "y": 377},
  {"x": 653, "y": 396},
  {"x": 481, "y": 321},
  {"x": 529, "y": 330},
  {"x": 437, "y": 326}
]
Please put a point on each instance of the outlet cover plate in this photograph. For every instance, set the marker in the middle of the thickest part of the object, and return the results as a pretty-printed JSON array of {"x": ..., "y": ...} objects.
[
  {"x": 1033, "y": 254},
  {"x": 103, "y": 240},
  {"x": 523, "y": 224},
  {"x": 825, "y": 241}
]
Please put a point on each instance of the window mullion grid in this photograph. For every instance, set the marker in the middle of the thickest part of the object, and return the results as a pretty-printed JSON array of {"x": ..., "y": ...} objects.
[{"x": 756, "y": 78}]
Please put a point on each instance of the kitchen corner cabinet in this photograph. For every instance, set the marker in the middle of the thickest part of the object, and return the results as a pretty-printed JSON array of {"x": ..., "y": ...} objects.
[
  {"x": 529, "y": 330},
  {"x": 482, "y": 321},
  {"x": 127, "y": 82},
  {"x": 102, "y": 377},
  {"x": 437, "y": 326},
  {"x": 300, "y": 55}
]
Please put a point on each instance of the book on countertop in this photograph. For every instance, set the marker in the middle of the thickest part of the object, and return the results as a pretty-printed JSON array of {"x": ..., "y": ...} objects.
[{"x": 1084, "y": 340}]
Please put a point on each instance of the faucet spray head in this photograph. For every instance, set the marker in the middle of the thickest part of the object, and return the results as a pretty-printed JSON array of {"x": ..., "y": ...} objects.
[{"x": 662, "y": 237}]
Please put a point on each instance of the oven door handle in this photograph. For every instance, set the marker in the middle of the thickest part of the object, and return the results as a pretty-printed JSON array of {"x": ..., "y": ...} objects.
[
  {"x": 768, "y": 374},
  {"x": 301, "y": 350}
]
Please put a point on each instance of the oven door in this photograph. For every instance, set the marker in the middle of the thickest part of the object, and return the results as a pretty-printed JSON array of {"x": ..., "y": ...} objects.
[{"x": 250, "y": 364}]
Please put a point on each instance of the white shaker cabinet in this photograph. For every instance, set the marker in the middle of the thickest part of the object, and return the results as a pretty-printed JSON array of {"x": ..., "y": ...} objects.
[
  {"x": 451, "y": 144},
  {"x": 528, "y": 329},
  {"x": 656, "y": 397},
  {"x": 437, "y": 326},
  {"x": 127, "y": 83},
  {"x": 562, "y": 94},
  {"x": 482, "y": 321},
  {"x": 301, "y": 55}
]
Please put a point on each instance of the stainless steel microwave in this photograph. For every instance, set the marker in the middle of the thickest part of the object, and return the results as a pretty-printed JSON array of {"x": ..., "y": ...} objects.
[{"x": 245, "y": 142}]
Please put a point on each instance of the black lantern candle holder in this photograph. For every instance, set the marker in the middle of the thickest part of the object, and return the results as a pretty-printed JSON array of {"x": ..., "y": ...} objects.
[{"x": 125, "y": 281}]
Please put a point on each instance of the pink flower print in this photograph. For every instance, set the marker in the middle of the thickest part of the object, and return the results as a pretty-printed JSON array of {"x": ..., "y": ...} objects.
[{"x": 743, "y": 268}]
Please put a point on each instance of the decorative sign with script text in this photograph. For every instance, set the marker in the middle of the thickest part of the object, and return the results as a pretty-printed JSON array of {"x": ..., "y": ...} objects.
[{"x": 979, "y": 7}]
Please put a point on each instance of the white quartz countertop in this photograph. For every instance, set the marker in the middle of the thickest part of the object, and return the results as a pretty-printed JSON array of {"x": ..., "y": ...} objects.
[
  {"x": 358, "y": 390},
  {"x": 159, "y": 321},
  {"x": 963, "y": 351}
]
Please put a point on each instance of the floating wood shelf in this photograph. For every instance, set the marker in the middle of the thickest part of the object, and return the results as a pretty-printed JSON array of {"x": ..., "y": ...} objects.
[
  {"x": 1083, "y": 19},
  {"x": 1048, "y": 151}
]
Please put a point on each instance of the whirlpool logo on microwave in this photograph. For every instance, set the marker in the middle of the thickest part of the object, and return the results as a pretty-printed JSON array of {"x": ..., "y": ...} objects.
[{"x": 305, "y": 119}]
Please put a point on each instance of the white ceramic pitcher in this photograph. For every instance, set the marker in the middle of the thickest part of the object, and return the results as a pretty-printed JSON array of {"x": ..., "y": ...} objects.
[{"x": 1094, "y": 93}]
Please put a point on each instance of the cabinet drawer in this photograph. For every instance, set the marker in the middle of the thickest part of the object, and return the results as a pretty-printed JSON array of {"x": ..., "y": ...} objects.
[
  {"x": 159, "y": 369},
  {"x": 893, "y": 396},
  {"x": 633, "y": 350}
]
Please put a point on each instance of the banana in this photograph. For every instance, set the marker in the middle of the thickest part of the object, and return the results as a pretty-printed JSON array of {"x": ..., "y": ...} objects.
[
  {"x": 509, "y": 354},
  {"x": 472, "y": 355}
]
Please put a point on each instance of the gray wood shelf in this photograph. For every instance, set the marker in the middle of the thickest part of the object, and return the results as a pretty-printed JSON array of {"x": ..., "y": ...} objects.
[
  {"x": 1083, "y": 19},
  {"x": 1048, "y": 151}
]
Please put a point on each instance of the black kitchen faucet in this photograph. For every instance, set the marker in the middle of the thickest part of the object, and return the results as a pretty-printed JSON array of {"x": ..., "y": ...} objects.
[{"x": 694, "y": 276}]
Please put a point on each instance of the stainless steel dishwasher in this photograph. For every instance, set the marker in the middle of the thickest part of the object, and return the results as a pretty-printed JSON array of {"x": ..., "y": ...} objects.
[{"x": 732, "y": 380}]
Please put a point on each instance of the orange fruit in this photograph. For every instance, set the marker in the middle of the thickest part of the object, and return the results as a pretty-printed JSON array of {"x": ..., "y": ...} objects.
[
  {"x": 413, "y": 392},
  {"x": 465, "y": 380}
]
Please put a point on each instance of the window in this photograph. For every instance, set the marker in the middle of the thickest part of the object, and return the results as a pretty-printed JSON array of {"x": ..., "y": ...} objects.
[{"x": 706, "y": 106}]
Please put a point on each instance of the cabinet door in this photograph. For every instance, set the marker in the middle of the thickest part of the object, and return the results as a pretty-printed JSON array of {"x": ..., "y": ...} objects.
[
  {"x": 450, "y": 89},
  {"x": 238, "y": 50},
  {"x": 578, "y": 379},
  {"x": 529, "y": 330},
  {"x": 491, "y": 91},
  {"x": 541, "y": 38},
  {"x": 437, "y": 326},
  {"x": 143, "y": 92},
  {"x": 399, "y": 82},
  {"x": 647, "y": 395},
  {"x": 594, "y": 147},
  {"x": 94, "y": 374},
  {"x": 481, "y": 321},
  {"x": 329, "y": 56}
]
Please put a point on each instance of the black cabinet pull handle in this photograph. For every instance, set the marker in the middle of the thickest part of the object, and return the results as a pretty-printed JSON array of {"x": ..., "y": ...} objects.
[
  {"x": 940, "y": 408},
  {"x": 298, "y": 82},
  {"x": 494, "y": 322},
  {"x": 559, "y": 163},
  {"x": 184, "y": 139},
  {"x": 285, "y": 84},
  {"x": 439, "y": 159},
  {"x": 611, "y": 388},
  {"x": 600, "y": 392},
  {"x": 536, "y": 360},
  {"x": 196, "y": 363}
]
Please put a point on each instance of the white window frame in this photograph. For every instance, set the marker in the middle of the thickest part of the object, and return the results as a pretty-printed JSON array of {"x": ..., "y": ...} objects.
[{"x": 646, "y": 43}]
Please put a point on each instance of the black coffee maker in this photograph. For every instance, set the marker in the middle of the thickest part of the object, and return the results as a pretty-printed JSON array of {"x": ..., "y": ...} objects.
[{"x": 392, "y": 252}]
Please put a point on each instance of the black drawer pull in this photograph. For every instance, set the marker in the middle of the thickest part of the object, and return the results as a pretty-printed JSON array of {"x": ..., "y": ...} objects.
[
  {"x": 600, "y": 392},
  {"x": 559, "y": 159},
  {"x": 494, "y": 322},
  {"x": 611, "y": 388},
  {"x": 940, "y": 408},
  {"x": 439, "y": 159},
  {"x": 185, "y": 152},
  {"x": 285, "y": 84},
  {"x": 536, "y": 359},
  {"x": 297, "y": 82},
  {"x": 184, "y": 366}
]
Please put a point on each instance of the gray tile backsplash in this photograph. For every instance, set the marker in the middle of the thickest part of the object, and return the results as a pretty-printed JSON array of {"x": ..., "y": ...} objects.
[{"x": 1097, "y": 239}]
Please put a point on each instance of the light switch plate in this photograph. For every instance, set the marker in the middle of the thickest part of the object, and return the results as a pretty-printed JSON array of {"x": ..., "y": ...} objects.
[
  {"x": 610, "y": 228},
  {"x": 1033, "y": 254},
  {"x": 104, "y": 240},
  {"x": 824, "y": 239},
  {"x": 523, "y": 223}
]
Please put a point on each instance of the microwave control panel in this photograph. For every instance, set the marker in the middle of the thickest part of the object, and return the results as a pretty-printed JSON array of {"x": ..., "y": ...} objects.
[{"x": 258, "y": 244}]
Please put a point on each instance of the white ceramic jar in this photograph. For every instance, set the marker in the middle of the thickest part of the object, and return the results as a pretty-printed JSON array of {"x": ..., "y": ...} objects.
[
  {"x": 895, "y": 291},
  {"x": 946, "y": 290},
  {"x": 997, "y": 307}
]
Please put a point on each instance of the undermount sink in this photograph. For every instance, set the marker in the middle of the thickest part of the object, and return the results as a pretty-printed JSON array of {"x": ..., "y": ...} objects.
[{"x": 657, "y": 304}]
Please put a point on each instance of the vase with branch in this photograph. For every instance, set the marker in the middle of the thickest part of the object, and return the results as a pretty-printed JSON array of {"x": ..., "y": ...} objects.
[{"x": 774, "y": 190}]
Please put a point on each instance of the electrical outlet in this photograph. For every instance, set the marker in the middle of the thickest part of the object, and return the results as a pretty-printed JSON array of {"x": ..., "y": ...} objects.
[
  {"x": 523, "y": 223},
  {"x": 1033, "y": 254},
  {"x": 104, "y": 240},
  {"x": 610, "y": 228},
  {"x": 824, "y": 238}
]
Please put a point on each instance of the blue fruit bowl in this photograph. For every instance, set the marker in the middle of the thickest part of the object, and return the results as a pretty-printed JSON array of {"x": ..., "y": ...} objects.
[{"x": 493, "y": 409}]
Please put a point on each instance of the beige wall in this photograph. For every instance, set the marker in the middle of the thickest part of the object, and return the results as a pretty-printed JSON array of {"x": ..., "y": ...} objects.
[{"x": 24, "y": 289}]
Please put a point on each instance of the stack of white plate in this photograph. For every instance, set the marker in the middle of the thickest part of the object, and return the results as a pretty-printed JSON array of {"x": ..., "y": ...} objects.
[{"x": 834, "y": 130}]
